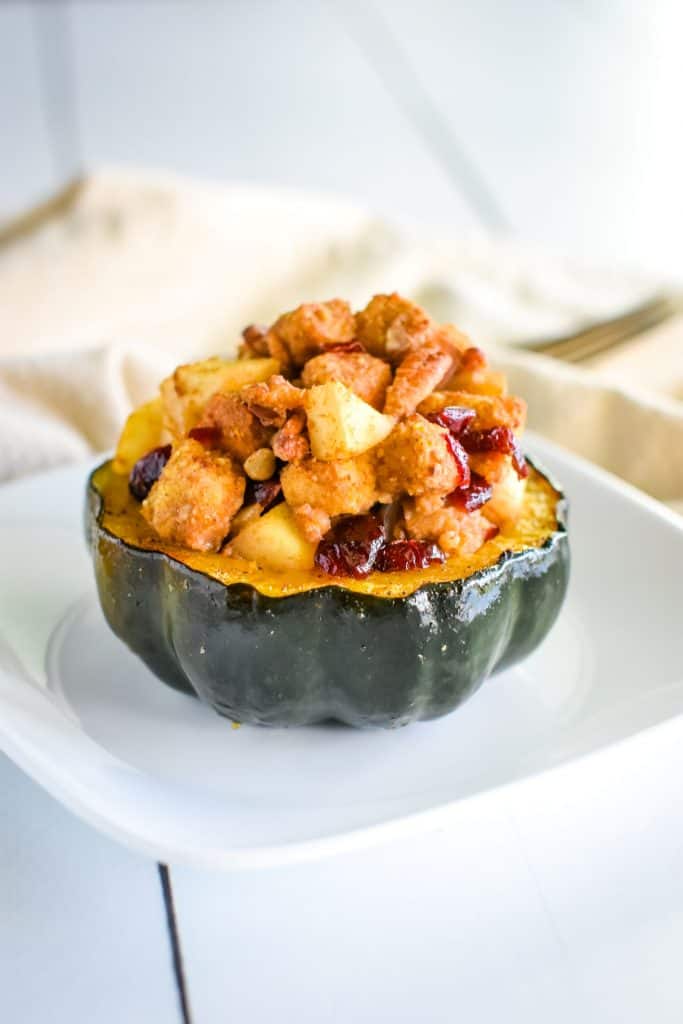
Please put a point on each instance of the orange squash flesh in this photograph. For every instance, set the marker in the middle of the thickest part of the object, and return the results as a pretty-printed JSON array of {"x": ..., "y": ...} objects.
[{"x": 536, "y": 523}]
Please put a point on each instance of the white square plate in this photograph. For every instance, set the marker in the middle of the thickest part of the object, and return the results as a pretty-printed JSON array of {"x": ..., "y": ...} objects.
[{"x": 164, "y": 774}]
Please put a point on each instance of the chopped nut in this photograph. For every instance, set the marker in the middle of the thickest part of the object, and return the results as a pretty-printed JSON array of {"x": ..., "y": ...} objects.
[
  {"x": 417, "y": 376},
  {"x": 290, "y": 443},
  {"x": 271, "y": 400},
  {"x": 260, "y": 465}
]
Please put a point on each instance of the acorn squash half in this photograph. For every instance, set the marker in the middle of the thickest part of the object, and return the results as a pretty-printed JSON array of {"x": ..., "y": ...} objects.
[{"x": 299, "y": 648}]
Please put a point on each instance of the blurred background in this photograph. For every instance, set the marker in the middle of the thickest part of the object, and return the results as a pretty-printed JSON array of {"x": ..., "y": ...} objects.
[{"x": 555, "y": 121}]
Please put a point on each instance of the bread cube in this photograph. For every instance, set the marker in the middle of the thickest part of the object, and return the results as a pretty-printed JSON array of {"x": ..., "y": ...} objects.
[{"x": 187, "y": 391}]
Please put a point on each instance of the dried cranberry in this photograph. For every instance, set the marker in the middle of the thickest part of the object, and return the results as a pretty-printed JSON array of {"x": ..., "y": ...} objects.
[
  {"x": 147, "y": 471},
  {"x": 455, "y": 418},
  {"x": 403, "y": 555},
  {"x": 472, "y": 497},
  {"x": 461, "y": 460},
  {"x": 346, "y": 346},
  {"x": 208, "y": 436},
  {"x": 496, "y": 439},
  {"x": 267, "y": 492},
  {"x": 351, "y": 547}
]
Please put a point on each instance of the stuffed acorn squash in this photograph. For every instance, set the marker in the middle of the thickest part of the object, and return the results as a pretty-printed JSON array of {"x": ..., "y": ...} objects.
[{"x": 337, "y": 525}]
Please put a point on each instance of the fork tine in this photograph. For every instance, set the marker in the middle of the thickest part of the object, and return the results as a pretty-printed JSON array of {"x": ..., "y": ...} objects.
[
  {"x": 596, "y": 333},
  {"x": 600, "y": 337},
  {"x": 619, "y": 334}
]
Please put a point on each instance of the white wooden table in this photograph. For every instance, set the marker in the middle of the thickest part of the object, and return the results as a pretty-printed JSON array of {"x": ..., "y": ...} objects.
[{"x": 556, "y": 121}]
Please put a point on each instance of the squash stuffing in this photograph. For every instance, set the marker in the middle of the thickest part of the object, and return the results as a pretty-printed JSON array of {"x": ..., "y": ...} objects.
[{"x": 341, "y": 520}]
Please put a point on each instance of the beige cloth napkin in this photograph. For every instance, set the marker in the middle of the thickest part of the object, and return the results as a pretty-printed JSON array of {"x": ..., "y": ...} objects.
[{"x": 123, "y": 275}]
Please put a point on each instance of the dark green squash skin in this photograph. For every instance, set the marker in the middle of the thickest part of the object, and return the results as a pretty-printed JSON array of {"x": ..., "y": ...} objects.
[{"x": 328, "y": 653}]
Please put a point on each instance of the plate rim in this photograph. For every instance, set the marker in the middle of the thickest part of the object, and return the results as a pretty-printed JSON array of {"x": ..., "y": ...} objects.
[{"x": 64, "y": 784}]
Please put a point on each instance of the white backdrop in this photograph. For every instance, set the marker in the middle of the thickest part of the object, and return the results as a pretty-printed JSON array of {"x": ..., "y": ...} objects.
[{"x": 556, "y": 120}]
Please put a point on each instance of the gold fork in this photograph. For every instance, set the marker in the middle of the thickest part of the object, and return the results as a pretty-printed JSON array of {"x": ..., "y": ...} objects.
[{"x": 599, "y": 337}]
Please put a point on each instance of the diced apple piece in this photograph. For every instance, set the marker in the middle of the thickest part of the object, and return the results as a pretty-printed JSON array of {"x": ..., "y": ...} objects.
[
  {"x": 246, "y": 515},
  {"x": 275, "y": 541},
  {"x": 141, "y": 432},
  {"x": 187, "y": 391},
  {"x": 340, "y": 424},
  {"x": 509, "y": 489}
]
